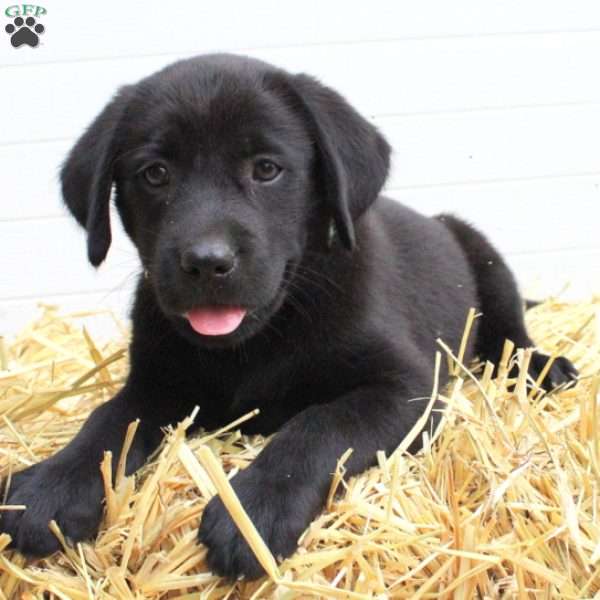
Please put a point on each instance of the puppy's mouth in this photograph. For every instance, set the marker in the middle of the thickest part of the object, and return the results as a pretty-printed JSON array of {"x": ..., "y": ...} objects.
[{"x": 215, "y": 320}]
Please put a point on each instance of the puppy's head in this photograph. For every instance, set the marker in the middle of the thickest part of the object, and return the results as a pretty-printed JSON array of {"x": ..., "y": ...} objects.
[{"x": 226, "y": 171}]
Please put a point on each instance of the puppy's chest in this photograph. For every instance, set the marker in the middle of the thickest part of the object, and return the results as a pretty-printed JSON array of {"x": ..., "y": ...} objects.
[
  {"x": 279, "y": 388},
  {"x": 233, "y": 390}
]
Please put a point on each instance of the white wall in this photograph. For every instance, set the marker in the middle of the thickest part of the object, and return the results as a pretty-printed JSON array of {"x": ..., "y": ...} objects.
[{"x": 492, "y": 107}]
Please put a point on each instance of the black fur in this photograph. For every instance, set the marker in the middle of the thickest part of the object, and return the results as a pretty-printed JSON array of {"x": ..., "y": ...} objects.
[{"x": 338, "y": 347}]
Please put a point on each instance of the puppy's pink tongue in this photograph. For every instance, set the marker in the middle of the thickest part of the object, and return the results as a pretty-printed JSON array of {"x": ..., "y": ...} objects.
[{"x": 216, "y": 320}]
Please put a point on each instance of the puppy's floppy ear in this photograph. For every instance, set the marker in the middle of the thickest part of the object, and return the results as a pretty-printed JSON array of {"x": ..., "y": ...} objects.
[
  {"x": 353, "y": 156},
  {"x": 87, "y": 176}
]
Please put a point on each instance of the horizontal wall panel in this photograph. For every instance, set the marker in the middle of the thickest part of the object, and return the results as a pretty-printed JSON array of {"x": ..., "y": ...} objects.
[
  {"x": 520, "y": 216},
  {"x": 417, "y": 76},
  {"x": 395, "y": 77},
  {"x": 570, "y": 274},
  {"x": 493, "y": 145},
  {"x": 106, "y": 29},
  {"x": 30, "y": 179},
  {"x": 48, "y": 256}
]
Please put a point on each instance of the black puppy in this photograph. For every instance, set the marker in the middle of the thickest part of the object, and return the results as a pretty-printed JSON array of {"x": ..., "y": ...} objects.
[{"x": 275, "y": 277}]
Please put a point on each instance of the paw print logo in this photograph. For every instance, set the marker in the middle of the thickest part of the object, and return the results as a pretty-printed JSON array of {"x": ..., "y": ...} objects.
[{"x": 24, "y": 32}]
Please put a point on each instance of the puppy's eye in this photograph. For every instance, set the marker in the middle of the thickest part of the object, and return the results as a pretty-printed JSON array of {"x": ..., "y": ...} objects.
[
  {"x": 156, "y": 175},
  {"x": 265, "y": 170}
]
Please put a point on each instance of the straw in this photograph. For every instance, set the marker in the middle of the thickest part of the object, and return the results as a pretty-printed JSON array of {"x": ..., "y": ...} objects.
[{"x": 503, "y": 501}]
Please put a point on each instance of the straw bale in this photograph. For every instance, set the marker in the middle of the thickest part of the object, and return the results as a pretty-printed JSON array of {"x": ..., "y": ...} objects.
[{"x": 502, "y": 502}]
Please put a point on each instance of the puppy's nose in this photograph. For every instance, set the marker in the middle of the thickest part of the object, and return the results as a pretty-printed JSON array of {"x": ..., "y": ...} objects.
[{"x": 214, "y": 258}]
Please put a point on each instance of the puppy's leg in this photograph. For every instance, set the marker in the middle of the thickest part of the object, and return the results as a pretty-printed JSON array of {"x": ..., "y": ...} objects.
[
  {"x": 67, "y": 487},
  {"x": 287, "y": 485},
  {"x": 501, "y": 306}
]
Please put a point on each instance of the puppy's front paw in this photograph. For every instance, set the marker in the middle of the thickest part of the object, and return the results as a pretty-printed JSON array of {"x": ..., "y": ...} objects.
[
  {"x": 280, "y": 508},
  {"x": 68, "y": 493}
]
